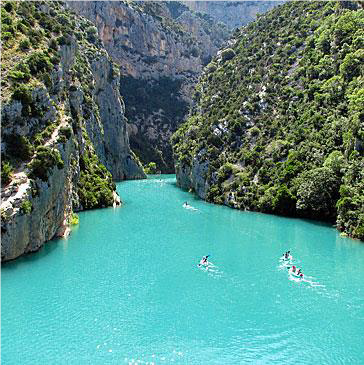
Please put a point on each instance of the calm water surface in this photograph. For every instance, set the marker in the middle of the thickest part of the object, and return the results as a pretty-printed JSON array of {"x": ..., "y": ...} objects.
[{"x": 125, "y": 288}]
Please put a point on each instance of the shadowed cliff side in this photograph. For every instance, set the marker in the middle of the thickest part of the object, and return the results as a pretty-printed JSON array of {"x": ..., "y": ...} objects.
[{"x": 161, "y": 48}]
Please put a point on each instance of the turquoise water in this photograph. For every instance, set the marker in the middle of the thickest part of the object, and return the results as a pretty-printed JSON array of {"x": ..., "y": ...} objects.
[{"x": 125, "y": 288}]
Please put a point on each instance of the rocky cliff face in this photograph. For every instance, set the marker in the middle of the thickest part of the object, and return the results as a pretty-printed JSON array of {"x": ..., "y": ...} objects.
[
  {"x": 161, "y": 49},
  {"x": 62, "y": 123},
  {"x": 232, "y": 13}
]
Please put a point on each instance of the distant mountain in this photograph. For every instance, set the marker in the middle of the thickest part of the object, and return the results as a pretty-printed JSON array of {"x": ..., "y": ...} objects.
[{"x": 232, "y": 13}]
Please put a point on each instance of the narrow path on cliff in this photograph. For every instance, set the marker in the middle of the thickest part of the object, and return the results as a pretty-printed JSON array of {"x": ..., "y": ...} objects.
[{"x": 15, "y": 191}]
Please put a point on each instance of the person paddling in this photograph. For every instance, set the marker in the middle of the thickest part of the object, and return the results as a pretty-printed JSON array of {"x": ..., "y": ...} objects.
[{"x": 204, "y": 261}]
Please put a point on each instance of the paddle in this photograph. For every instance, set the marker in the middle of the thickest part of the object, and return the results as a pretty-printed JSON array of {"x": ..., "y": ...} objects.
[{"x": 206, "y": 259}]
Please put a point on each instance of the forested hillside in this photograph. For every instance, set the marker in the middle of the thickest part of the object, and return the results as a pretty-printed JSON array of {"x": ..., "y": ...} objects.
[{"x": 278, "y": 125}]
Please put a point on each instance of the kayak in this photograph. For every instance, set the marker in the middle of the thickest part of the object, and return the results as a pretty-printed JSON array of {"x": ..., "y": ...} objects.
[
  {"x": 187, "y": 206},
  {"x": 300, "y": 276},
  {"x": 203, "y": 263},
  {"x": 289, "y": 258}
]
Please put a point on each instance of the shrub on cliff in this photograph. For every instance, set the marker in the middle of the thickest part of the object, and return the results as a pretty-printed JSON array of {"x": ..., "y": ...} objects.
[
  {"x": 26, "y": 207},
  {"x": 3, "y": 217},
  {"x": 24, "y": 45},
  {"x": 46, "y": 158},
  {"x": 227, "y": 54},
  {"x": 19, "y": 147},
  {"x": 23, "y": 93},
  {"x": 91, "y": 32},
  {"x": 151, "y": 168},
  {"x": 95, "y": 187},
  {"x": 39, "y": 61},
  {"x": 74, "y": 219},
  {"x": 6, "y": 171}
]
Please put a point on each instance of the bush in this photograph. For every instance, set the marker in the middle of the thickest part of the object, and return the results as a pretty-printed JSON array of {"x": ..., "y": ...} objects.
[
  {"x": 8, "y": 7},
  {"x": 91, "y": 32},
  {"x": 24, "y": 68},
  {"x": 24, "y": 44},
  {"x": 211, "y": 67},
  {"x": 45, "y": 159},
  {"x": 53, "y": 44},
  {"x": 74, "y": 219},
  {"x": 317, "y": 193},
  {"x": 335, "y": 161},
  {"x": 283, "y": 201},
  {"x": 35, "y": 37},
  {"x": 22, "y": 93},
  {"x": 6, "y": 171},
  {"x": 19, "y": 147},
  {"x": 6, "y": 36},
  {"x": 3, "y": 216},
  {"x": 95, "y": 187},
  {"x": 18, "y": 75},
  {"x": 26, "y": 207},
  {"x": 254, "y": 131},
  {"x": 38, "y": 62},
  {"x": 66, "y": 131},
  {"x": 151, "y": 168},
  {"x": 227, "y": 54}
]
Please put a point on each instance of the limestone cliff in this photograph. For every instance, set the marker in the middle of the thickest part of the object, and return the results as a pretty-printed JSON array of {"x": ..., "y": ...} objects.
[
  {"x": 232, "y": 13},
  {"x": 62, "y": 123},
  {"x": 161, "y": 48}
]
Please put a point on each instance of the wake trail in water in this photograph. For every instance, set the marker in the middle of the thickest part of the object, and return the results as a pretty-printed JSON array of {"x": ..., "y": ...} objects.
[
  {"x": 212, "y": 270},
  {"x": 310, "y": 282},
  {"x": 190, "y": 207}
]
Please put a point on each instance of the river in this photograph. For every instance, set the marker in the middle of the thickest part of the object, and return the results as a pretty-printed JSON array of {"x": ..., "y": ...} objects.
[{"x": 125, "y": 288}]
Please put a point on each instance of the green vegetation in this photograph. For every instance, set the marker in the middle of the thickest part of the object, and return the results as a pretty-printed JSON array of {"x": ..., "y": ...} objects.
[
  {"x": 38, "y": 62},
  {"x": 6, "y": 171},
  {"x": 45, "y": 159},
  {"x": 19, "y": 147},
  {"x": 281, "y": 122},
  {"x": 22, "y": 92},
  {"x": 151, "y": 168},
  {"x": 4, "y": 216},
  {"x": 95, "y": 187},
  {"x": 75, "y": 219},
  {"x": 26, "y": 207}
]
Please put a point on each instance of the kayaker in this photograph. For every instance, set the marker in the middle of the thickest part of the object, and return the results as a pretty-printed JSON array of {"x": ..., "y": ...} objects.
[{"x": 204, "y": 261}]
